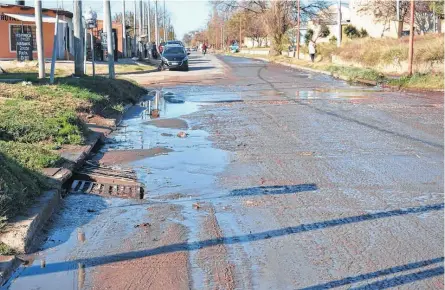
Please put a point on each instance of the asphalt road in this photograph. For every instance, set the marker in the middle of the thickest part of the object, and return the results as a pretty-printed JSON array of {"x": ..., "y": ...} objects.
[{"x": 287, "y": 180}]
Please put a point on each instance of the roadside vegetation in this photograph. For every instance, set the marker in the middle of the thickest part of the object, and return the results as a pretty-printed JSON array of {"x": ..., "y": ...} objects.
[
  {"x": 37, "y": 119},
  {"x": 370, "y": 54}
]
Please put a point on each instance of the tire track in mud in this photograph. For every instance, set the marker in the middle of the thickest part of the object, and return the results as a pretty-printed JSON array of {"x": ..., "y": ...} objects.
[{"x": 214, "y": 260}]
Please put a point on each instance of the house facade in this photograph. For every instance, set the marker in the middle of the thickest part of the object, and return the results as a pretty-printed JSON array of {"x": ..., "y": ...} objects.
[
  {"x": 21, "y": 19},
  {"x": 330, "y": 19}
]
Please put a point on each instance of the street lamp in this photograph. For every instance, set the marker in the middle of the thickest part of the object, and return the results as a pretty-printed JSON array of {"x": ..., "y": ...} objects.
[{"x": 90, "y": 23}]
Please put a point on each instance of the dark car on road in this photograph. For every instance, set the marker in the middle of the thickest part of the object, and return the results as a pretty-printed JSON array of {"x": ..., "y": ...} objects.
[
  {"x": 176, "y": 57},
  {"x": 172, "y": 42}
]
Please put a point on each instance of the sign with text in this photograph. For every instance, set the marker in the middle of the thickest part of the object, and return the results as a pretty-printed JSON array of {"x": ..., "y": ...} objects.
[
  {"x": 24, "y": 46},
  {"x": 103, "y": 38}
]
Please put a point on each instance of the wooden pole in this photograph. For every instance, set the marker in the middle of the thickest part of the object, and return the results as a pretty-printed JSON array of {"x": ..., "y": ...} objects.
[
  {"x": 78, "y": 47},
  {"x": 298, "y": 29},
  {"x": 339, "y": 32},
  {"x": 110, "y": 50},
  {"x": 411, "y": 41},
  {"x": 39, "y": 38},
  {"x": 55, "y": 47},
  {"x": 124, "y": 30}
]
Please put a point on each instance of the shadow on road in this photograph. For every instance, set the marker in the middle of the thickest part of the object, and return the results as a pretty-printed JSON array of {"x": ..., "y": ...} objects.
[
  {"x": 392, "y": 282},
  {"x": 194, "y": 68},
  {"x": 274, "y": 189},
  {"x": 247, "y": 238}
]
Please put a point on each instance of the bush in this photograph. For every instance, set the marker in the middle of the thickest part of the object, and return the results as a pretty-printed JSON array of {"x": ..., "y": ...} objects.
[
  {"x": 333, "y": 39},
  {"x": 363, "y": 33},
  {"x": 351, "y": 31},
  {"x": 324, "y": 31}
]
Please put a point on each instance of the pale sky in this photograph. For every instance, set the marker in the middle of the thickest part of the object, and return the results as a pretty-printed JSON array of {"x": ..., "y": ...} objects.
[{"x": 187, "y": 15}]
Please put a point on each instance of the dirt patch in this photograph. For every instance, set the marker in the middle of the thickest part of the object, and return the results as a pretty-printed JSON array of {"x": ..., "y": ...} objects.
[
  {"x": 160, "y": 265},
  {"x": 174, "y": 123},
  {"x": 125, "y": 156},
  {"x": 214, "y": 259}
]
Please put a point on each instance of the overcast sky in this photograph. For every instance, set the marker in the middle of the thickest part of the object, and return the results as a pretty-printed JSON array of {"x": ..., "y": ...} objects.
[{"x": 186, "y": 15}]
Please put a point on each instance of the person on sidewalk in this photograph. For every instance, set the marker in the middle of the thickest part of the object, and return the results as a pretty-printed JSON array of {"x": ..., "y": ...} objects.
[{"x": 312, "y": 50}]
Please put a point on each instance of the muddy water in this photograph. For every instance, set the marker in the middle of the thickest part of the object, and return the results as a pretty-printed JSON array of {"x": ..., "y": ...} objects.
[
  {"x": 308, "y": 188},
  {"x": 91, "y": 230}
]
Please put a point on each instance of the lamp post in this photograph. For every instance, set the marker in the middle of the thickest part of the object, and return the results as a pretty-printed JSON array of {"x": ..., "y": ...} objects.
[{"x": 91, "y": 22}]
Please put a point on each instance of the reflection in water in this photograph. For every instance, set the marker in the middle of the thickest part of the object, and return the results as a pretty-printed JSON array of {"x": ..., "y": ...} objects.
[
  {"x": 80, "y": 275},
  {"x": 81, "y": 236}
]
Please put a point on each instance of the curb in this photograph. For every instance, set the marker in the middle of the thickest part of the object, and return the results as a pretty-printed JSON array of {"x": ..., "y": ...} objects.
[
  {"x": 7, "y": 265},
  {"x": 20, "y": 234}
]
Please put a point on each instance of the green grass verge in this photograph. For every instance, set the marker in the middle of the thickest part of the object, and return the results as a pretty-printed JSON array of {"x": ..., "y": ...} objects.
[
  {"x": 419, "y": 81},
  {"x": 38, "y": 116},
  {"x": 354, "y": 73},
  {"x": 5, "y": 249},
  {"x": 18, "y": 186}
]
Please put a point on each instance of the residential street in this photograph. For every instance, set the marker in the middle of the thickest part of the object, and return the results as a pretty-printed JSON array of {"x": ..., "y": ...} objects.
[{"x": 287, "y": 180}]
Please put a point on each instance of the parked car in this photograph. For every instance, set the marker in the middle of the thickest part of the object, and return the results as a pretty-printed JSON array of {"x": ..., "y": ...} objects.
[
  {"x": 234, "y": 47},
  {"x": 195, "y": 48},
  {"x": 188, "y": 49},
  {"x": 175, "y": 57},
  {"x": 177, "y": 42}
]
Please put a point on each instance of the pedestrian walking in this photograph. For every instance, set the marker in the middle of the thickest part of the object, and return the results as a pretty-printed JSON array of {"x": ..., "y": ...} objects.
[{"x": 312, "y": 50}]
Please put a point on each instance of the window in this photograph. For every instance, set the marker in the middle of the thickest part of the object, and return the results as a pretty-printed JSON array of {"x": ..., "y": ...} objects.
[
  {"x": 174, "y": 50},
  {"x": 17, "y": 28}
]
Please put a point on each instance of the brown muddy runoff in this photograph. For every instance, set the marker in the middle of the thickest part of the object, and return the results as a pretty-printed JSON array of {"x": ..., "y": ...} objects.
[
  {"x": 127, "y": 156},
  {"x": 173, "y": 123}
]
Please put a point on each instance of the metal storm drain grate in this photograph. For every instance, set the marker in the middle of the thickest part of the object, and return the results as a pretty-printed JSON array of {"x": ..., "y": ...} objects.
[
  {"x": 93, "y": 178},
  {"x": 118, "y": 190}
]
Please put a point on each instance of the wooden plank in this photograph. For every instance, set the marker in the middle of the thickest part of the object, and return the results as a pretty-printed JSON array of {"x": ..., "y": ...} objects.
[{"x": 106, "y": 189}]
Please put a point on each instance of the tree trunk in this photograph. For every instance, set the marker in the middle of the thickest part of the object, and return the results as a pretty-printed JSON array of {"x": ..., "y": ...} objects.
[{"x": 276, "y": 45}]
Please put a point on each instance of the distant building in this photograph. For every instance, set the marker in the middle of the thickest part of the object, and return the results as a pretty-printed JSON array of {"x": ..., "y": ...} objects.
[
  {"x": 21, "y": 19},
  {"x": 251, "y": 42},
  {"x": 330, "y": 19}
]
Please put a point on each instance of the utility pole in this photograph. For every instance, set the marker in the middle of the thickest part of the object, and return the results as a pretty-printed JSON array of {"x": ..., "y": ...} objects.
[
  {"x": 399, "y": 23},
  {"x": 411, "y": 41},
  {"x": 240, "y": 31},
  {"x": 298, "y": 29},
  {"x": 134, "y": 30},
  {"x": 156, "y": 24},
  {"x": 140, "y": 29},
  {"x": 339, "y": 32},
  {"x": 124, "y": 30},
  {"x": 169, "y": 29},
  {"x": 110, "y": 51},
  {"x": 165, "y": 26},
  {"x": 39, "y": 38},
  {"x": 148, "y": 21},
  {"x": 55, "y": 45},
  {"x": 78, "y": 47}
]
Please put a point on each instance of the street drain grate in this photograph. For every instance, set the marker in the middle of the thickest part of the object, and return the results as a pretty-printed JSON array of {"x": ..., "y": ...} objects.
[
  {"x": 94, "y": 178},
  {"x": 117, "y": 190}
]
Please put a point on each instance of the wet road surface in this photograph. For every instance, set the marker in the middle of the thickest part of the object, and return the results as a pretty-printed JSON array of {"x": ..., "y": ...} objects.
[{"x": 287, "y": 180}]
